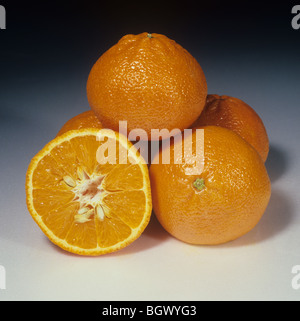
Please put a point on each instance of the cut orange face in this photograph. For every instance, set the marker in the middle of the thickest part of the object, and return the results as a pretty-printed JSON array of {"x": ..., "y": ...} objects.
[{"x": 82, "y": 200}]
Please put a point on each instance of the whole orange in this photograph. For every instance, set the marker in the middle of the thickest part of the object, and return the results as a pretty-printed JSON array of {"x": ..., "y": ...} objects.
[
  {"x": 235, "y": 114},
  {"x": 87, "y": 119},
  {"x": 221, "y": 204},
  {"x": 149, "y": 81}
]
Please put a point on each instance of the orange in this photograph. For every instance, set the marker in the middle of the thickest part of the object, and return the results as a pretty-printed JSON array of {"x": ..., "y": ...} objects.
[
  {"x": 222, "y": 203},
  {"x": 83, "y": 206},
  {"x": 87, "y": 119},
  {"x": 235, "y": 114},
  {"x": 149, "y": 81}
]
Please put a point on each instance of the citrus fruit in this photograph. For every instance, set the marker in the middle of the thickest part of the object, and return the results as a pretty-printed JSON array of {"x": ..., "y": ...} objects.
[
  {"x": 149, "y": 81},
  {"x": 87, "y": 207},
  {"x": 235, "y": 114},
  {"x": 220, "y": 204},
  {"x": 87, "y": 119}
]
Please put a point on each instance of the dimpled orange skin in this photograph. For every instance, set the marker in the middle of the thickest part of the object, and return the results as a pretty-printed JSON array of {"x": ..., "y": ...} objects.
[
  {"x": 232, "y": 200},
  {"x": 235, "y": 114},
  {"x": 149, "y": 81},
  {"x": 87, "y": 119}
]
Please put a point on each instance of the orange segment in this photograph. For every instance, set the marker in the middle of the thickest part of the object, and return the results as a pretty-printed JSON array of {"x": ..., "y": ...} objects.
[
  {"x": 54, "y": 172},
  {"x": 46, "y": 199},
  {"x": 85, "y": 207},
  {"x": 131, "y": 178},
  {"x": 85, "y": 149},
  {"x": 83, "y": 235},
  {"x": 112, "y": 231},
  {"x": 126, "y": 206},
  {"x": 60, "y": 219}
]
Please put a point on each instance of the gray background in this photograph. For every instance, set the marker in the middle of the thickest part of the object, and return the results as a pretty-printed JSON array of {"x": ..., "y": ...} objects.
[{"x": 246, "y": 50}]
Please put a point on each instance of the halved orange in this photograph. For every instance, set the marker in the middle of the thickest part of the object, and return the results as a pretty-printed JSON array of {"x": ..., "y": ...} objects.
[{"x": 83, "y": 204}]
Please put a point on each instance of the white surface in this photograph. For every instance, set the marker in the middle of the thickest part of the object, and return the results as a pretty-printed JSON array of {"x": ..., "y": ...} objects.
[{"x": 156, "y": 266}]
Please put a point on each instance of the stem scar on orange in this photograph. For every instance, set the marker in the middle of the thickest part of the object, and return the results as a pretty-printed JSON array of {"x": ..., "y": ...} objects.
[{"x": 85, "y": 207}]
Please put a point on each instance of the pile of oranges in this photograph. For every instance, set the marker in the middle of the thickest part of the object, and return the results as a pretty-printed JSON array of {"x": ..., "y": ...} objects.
[{"x": 89, "y": 204}]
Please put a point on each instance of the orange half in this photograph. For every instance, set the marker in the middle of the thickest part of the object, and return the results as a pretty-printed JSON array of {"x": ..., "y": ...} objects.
[{"x": 83, "y": 203}]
